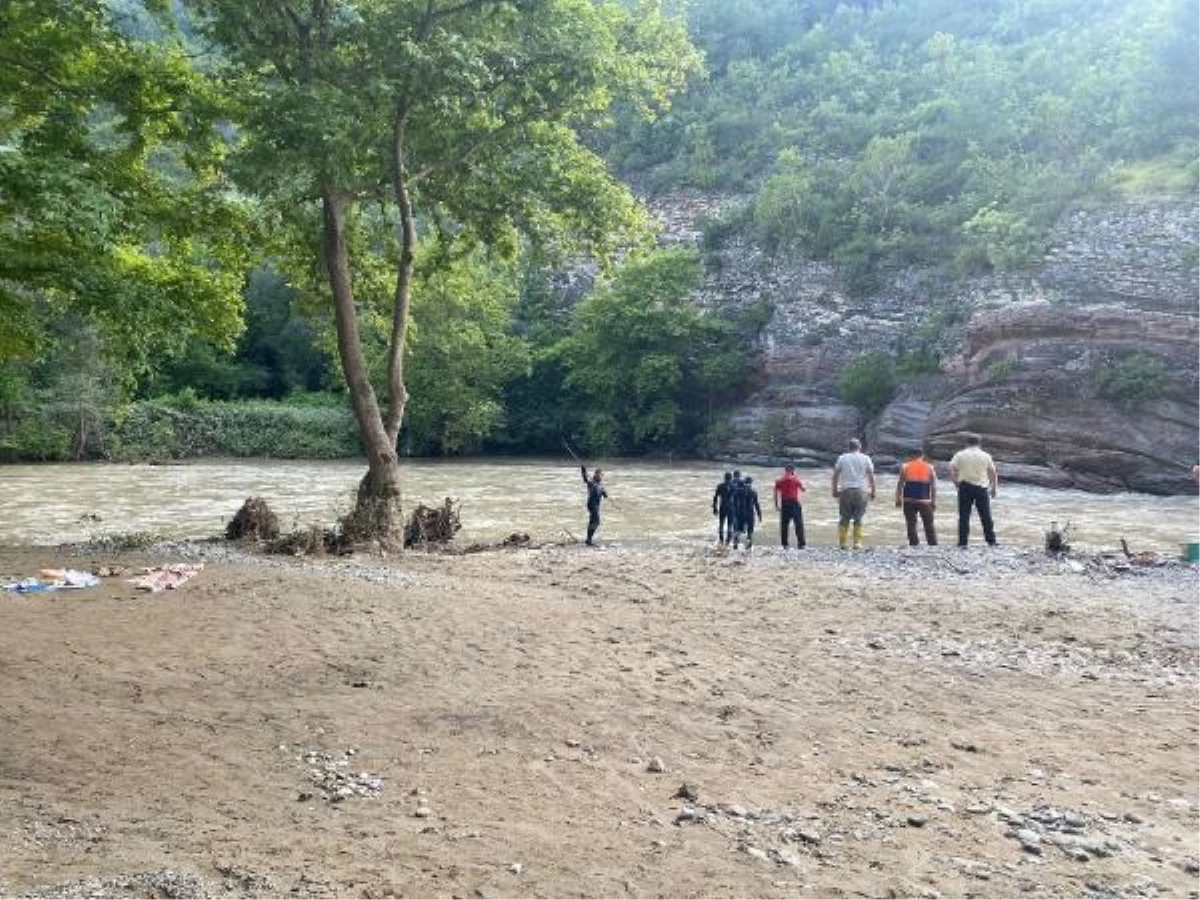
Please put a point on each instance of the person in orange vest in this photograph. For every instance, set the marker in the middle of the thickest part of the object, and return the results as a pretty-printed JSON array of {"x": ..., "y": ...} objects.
[{"x": 916, "y": 492}]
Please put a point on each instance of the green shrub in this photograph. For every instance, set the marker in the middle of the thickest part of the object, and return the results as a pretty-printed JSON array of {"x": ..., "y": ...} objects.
[
  {"x": 250, "y": 428},
  {"x": 36, "y": 440},
  {"x": 1134, "y": 379},
  {"x": 1002, "y": 368},
  {"x": 868, "y": 383}
]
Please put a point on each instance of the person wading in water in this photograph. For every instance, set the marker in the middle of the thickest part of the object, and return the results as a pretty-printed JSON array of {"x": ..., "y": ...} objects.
[
  {"x": 595, "y": 493},
  {"x": 745, "y": 506},
  {"x": 721, "y": 509}
]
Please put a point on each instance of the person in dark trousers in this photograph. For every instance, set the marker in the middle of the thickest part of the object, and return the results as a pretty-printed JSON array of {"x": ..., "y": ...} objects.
[
  {"x": 595, "y": 493},
  {"x": 787, "y": 501},
  {"x": 734, "y": 526},
  {"x": 916, "y": 493},
  {"x": 722, "y": 511},
  {"x": 744, "y": 509},
  {"x": 974, "y": 474}
]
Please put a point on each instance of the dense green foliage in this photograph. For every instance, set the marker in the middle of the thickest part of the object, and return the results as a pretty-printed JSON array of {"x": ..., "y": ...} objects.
[
  {"x": 934, "y": 132},
  {"x": 181, "y": 426},
  {"x": 461, "y": 356},
  {"x": 111, "y": 203},
  {"x": 929, "y": 131},
  {"x": 1134, "y": 379},
  {"x": 868, "y": 383},
  {"x": 647, "y": 367},
  {"x": 282, "y": 352}
]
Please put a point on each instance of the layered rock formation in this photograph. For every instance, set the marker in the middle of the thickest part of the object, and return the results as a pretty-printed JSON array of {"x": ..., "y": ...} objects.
[
  {"x": 1043, "y": 386},
  {"x": 1080, "y": 374}
]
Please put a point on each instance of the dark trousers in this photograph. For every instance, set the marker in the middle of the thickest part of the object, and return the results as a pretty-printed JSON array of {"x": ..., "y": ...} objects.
[
  {"x": 593, "y": 522},
  {"x": 973, "y": 495},
  {"x": 724, "y": 525},
  {"x": 743, "y": 525},
  {"x": 925, "y": 511},
  {"x": 791, "y": 511}
]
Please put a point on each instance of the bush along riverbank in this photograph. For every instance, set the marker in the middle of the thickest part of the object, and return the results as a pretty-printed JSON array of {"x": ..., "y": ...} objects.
[{"x": 180, "y": 427}]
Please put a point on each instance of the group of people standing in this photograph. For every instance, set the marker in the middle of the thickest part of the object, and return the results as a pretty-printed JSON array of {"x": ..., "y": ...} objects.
[
  {"x": 735, "y": 501},
  {"x": 853, "y": 486}
]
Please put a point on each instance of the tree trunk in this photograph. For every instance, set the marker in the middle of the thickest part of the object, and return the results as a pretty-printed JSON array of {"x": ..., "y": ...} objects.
[
  {"x": 377, "y": 513},
  {"x": 397, "y": 393}
]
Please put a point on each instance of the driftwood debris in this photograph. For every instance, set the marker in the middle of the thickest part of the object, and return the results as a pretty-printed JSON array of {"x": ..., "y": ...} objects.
[
  {"x": 311, "y": 541},
  {"x": 432, "y": 524},
  {"x": 254, "y": 521}
]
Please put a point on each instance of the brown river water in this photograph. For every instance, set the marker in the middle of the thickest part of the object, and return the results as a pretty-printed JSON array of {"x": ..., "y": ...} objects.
[{"x": 62, "y": 503}]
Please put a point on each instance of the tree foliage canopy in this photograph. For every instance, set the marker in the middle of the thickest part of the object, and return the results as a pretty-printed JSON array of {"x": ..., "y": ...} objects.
[{"x": 111, "y": 203}]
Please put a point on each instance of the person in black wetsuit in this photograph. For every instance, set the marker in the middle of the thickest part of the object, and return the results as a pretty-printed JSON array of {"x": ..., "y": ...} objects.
[
  {"x": 745, "y": 507},
  {"x": 595, "y": 493},
  {"x": 721, "y": 509}
]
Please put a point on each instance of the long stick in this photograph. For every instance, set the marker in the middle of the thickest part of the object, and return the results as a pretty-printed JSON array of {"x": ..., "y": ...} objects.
[{"x": 575, "y": 457}]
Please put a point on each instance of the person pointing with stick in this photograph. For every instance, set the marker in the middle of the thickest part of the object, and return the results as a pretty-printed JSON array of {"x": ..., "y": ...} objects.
[{"x": 595, "y": 493}]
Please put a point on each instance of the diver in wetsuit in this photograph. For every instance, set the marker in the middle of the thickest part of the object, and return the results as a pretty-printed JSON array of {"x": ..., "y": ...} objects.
[
  {"x": 721, "y": 509},
  {"x": 595, "y": 493},
  {"x": 745, "y": 507}
]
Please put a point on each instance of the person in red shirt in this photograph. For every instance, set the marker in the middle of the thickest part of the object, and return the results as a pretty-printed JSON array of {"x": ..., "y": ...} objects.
[{"x": 787, "y": 500}]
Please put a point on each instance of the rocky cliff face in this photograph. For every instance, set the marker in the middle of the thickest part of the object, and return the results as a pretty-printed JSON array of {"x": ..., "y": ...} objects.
[
  {"x": 1098, "y": 397},
  {"x": 1080, "y": 374}
]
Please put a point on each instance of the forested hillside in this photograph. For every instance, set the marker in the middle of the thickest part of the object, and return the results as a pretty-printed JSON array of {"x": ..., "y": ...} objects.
[
  {"x": 155, "y": 303},
  {"x": 925, "y": 131}
]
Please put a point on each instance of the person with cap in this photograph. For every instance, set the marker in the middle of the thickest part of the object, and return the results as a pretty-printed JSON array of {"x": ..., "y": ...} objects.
[
  {"x": 722, "y": 509},
  {"x": 853, "y": 486},
  {"x": 974, "y": 474},
  {"x": 595, "y": 493},
  {"x": 916, "y": 493},
  {"x": 788, "y": 489}
]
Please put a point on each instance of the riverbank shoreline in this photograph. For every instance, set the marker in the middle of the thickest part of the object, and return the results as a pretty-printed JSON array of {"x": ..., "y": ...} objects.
[
  {"x": 642, "y": 719},
  {"x": 544, "y": 499}
]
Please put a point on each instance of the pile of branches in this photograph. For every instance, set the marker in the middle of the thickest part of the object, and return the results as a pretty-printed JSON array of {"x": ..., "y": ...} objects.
[
  {"x": 254, "y": 521},
  {"x": 313, "y": 541},
  {"x": 432, "y": 524}
]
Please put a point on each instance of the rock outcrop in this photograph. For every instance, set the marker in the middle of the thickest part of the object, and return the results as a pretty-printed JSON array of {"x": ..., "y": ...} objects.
[
  {"x": 1082, "y": 373},
  {"x": 1044, "y": 387}
]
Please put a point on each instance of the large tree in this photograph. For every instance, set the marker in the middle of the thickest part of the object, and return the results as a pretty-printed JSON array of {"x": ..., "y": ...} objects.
[
  {"x": 112, "y": 211},
  {"x": 455, "y": 123}
]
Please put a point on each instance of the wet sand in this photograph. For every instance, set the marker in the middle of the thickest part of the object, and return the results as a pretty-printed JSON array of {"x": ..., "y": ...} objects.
[{"x": 523, "y": 723}]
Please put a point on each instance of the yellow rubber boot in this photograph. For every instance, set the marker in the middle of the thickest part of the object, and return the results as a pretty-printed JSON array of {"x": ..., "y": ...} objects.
[
  {"x": 858, "y": 536},
  {"x": 843, "y": 530}
]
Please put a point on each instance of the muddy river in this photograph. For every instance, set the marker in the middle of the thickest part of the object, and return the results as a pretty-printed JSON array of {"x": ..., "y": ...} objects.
[{"x": 50, "y": 504}]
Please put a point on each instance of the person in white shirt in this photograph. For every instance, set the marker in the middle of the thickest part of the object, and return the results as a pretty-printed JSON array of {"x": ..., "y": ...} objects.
[
  {"x": 853, "y": 486},
  {"x": 974, "y": 474}
]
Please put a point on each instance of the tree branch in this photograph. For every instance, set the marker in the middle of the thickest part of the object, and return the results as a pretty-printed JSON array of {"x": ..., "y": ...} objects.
[{"x": 397, "y": 394}]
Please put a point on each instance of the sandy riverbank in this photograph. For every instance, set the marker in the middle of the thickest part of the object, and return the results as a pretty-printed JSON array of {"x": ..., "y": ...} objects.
[{"x": 907, "y": 723}]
